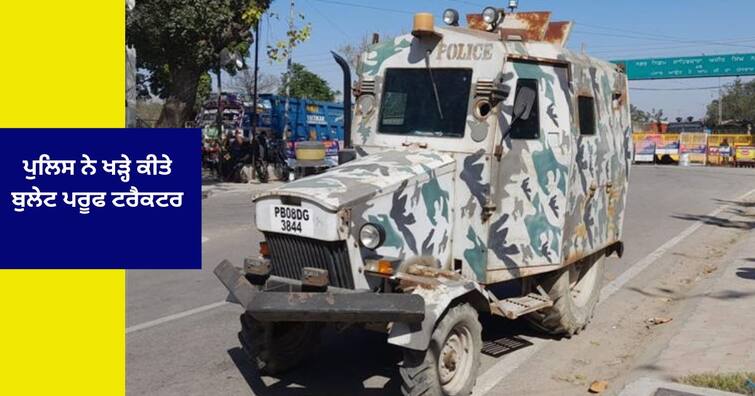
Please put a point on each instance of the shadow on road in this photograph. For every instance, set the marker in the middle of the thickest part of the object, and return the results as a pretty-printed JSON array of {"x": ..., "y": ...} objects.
[
  {"x": 746, "y": 272},
  {"x": 717, "y": 221},
  {"x": 736, "y": 203},
  {"x": 719, "y": 295},
  {"x": 354, "y": 362},
  {"x": 357, "y": 362}
]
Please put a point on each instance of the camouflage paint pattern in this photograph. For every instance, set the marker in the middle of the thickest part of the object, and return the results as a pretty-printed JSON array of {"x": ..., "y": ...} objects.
[{"x": 544, "y": 203}]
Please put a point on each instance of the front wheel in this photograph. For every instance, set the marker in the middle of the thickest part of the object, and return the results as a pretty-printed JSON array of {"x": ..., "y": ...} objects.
[
  {"x": 574, "y": 290},
  {"x": 275, "y": 348},
  {"x": 449, "y": 366}
]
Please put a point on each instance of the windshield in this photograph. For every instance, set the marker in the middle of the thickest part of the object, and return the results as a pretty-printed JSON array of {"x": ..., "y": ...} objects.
[{"x": 409, "y": 106}]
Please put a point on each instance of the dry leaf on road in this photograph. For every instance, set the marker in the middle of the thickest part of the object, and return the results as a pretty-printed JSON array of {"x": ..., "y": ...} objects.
[
  {"x": 658, "y": 320},
  {"x": 598, "y": 386}
]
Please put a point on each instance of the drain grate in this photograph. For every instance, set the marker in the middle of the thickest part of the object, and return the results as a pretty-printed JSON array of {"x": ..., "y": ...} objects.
[{"x": 504, "y": 345}]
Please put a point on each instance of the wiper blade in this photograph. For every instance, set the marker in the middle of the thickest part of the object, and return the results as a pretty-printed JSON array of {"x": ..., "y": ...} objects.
[{"x": 435, "y": 86}]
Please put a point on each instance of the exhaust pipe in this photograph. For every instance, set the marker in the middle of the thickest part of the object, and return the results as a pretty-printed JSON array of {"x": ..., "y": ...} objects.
[{"x": 347, "y": 153}]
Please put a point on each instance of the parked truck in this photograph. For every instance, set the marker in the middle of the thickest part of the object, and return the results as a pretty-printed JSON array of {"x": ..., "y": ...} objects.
[
  {"x": 491, "y": 175},
  {"x": 311, "y": 136},
  {"x": 232, "y": 108}
]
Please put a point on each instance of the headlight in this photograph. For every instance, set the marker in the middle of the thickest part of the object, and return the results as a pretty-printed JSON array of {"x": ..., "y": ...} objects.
[
  {"x": 490, "y": 15},
  {"x": 451, "y": 17},
  {"x": 371, "y": 236}
]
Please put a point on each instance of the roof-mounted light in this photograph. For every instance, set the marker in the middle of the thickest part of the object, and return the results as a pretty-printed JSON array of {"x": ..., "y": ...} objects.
[
  {"x": 424, "y": 26},
  {"x": 490, "y": 15},
  {"x": 451, "y": 17},
  {"x": 513, "y": 5}
]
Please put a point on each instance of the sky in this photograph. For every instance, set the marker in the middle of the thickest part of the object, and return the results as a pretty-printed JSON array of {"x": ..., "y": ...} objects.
[{"x": 610, "y": 30}]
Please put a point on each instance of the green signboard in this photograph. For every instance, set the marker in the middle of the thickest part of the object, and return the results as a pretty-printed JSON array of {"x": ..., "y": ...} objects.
[{"x": 690, "y": 67}]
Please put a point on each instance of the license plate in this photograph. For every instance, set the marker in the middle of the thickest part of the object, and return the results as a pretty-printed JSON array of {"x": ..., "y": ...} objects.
[{"x": 292, "y": 220}]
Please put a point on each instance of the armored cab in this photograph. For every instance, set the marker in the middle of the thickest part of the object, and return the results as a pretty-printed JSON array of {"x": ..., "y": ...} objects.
[{"x": 487, "y": 155}]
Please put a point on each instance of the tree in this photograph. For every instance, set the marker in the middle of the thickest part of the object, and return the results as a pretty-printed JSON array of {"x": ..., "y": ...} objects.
[
  {"x": 305, "y": 84},
  {"x": 244, "y": 82},
  {"x": 352, "y": 51},
  {"x": 179, "y": 41},
  {"x": 657, "y": 117},
  {"x": 204, "y": 89},
  {"x": 640, "y": 119},
  {"x": 738, "y": 103}
]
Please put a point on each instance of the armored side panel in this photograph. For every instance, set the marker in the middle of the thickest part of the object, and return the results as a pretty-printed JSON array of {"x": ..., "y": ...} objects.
[
  {"x": 560, "y": 192},
  {"x": 532, "y": 178},
  {"x": 600, "y": 168}
]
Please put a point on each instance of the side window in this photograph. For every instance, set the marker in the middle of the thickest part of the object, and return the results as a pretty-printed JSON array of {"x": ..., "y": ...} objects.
[
  {"x": 586, "y": 115},
  {"x": 527, "y": 126}
]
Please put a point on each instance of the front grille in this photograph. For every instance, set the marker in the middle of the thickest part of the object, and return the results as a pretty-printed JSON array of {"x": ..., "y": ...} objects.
[{"x": 290, "y": 253}]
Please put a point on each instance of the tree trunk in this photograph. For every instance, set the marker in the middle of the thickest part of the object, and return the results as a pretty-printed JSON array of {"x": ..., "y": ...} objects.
[{"x": 179, "y": 106}]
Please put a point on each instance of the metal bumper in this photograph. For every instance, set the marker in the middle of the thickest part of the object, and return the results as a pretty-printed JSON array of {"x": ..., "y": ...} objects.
[{"x": 272, "y": 302}]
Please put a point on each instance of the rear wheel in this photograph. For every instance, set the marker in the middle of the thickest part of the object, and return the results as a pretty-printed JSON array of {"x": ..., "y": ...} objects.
[
  {"x": 574, "y": 290},
  {"x": 449, "y": 366},
  {"x": 278, "y": 347}
]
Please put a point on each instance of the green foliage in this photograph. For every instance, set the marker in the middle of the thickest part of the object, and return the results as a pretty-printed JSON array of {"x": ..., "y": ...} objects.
[
  {"x": 178, "y": 41},
  {"x": 738, "y": 103},
  {"x": 305, "y": 84},
  {"x": 283, "y": 48},
  {"x": 204, "y": 89}
]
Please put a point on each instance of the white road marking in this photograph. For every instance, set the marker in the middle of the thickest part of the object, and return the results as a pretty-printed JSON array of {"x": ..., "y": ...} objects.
[
  {"x": 175, "y": 316},
  {"x": 205, "y": 239},
  {"x": 505, "y": 366}
]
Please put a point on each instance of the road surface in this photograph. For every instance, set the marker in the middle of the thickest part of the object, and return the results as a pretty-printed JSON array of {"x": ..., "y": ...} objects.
[{"x": 181, "y": 337}]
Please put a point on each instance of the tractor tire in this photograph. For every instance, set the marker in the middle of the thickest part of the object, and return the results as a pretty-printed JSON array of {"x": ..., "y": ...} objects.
[
  {"x": 275, "y": 348},
  {"x": 575, "y": 290},
  {"x": 450, "y": 364}
]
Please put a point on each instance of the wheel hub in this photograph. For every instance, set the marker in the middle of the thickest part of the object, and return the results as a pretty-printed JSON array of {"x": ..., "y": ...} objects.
[{"x": 455, "y": 360}]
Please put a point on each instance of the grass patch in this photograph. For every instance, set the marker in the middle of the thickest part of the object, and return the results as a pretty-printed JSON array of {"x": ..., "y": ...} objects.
[{"x": 732, "y": 382}]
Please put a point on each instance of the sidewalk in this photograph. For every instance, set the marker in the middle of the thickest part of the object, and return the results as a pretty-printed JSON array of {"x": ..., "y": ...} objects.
[{"x": 719, "y": 335}]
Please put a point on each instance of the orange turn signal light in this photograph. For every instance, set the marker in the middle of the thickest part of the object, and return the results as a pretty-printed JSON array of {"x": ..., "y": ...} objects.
[
  {"x": 385, "y": 267},
  {"x": 379, "y": 267},
  {"x": 264, "y": 249}
]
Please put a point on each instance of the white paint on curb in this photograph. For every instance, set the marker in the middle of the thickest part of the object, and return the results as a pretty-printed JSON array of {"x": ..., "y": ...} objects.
[{"x": 501, "y": 369}]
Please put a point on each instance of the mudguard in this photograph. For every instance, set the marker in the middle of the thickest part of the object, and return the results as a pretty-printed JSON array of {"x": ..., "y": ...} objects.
[{"x": 437, "y": 300}]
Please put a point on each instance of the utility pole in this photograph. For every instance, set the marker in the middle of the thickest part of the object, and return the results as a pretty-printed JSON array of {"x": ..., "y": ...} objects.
[
  {"x": 219, "y": 114},
  {"x": 288, "y": 69},
  {"x": 256, "y": 69},
  {"x": 720, "y": 103}
]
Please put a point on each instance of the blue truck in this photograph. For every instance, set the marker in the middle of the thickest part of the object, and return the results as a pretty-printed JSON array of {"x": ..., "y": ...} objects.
[
  {"x": 306, "y": 118},
  {"x": 308, "y": 121}
]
